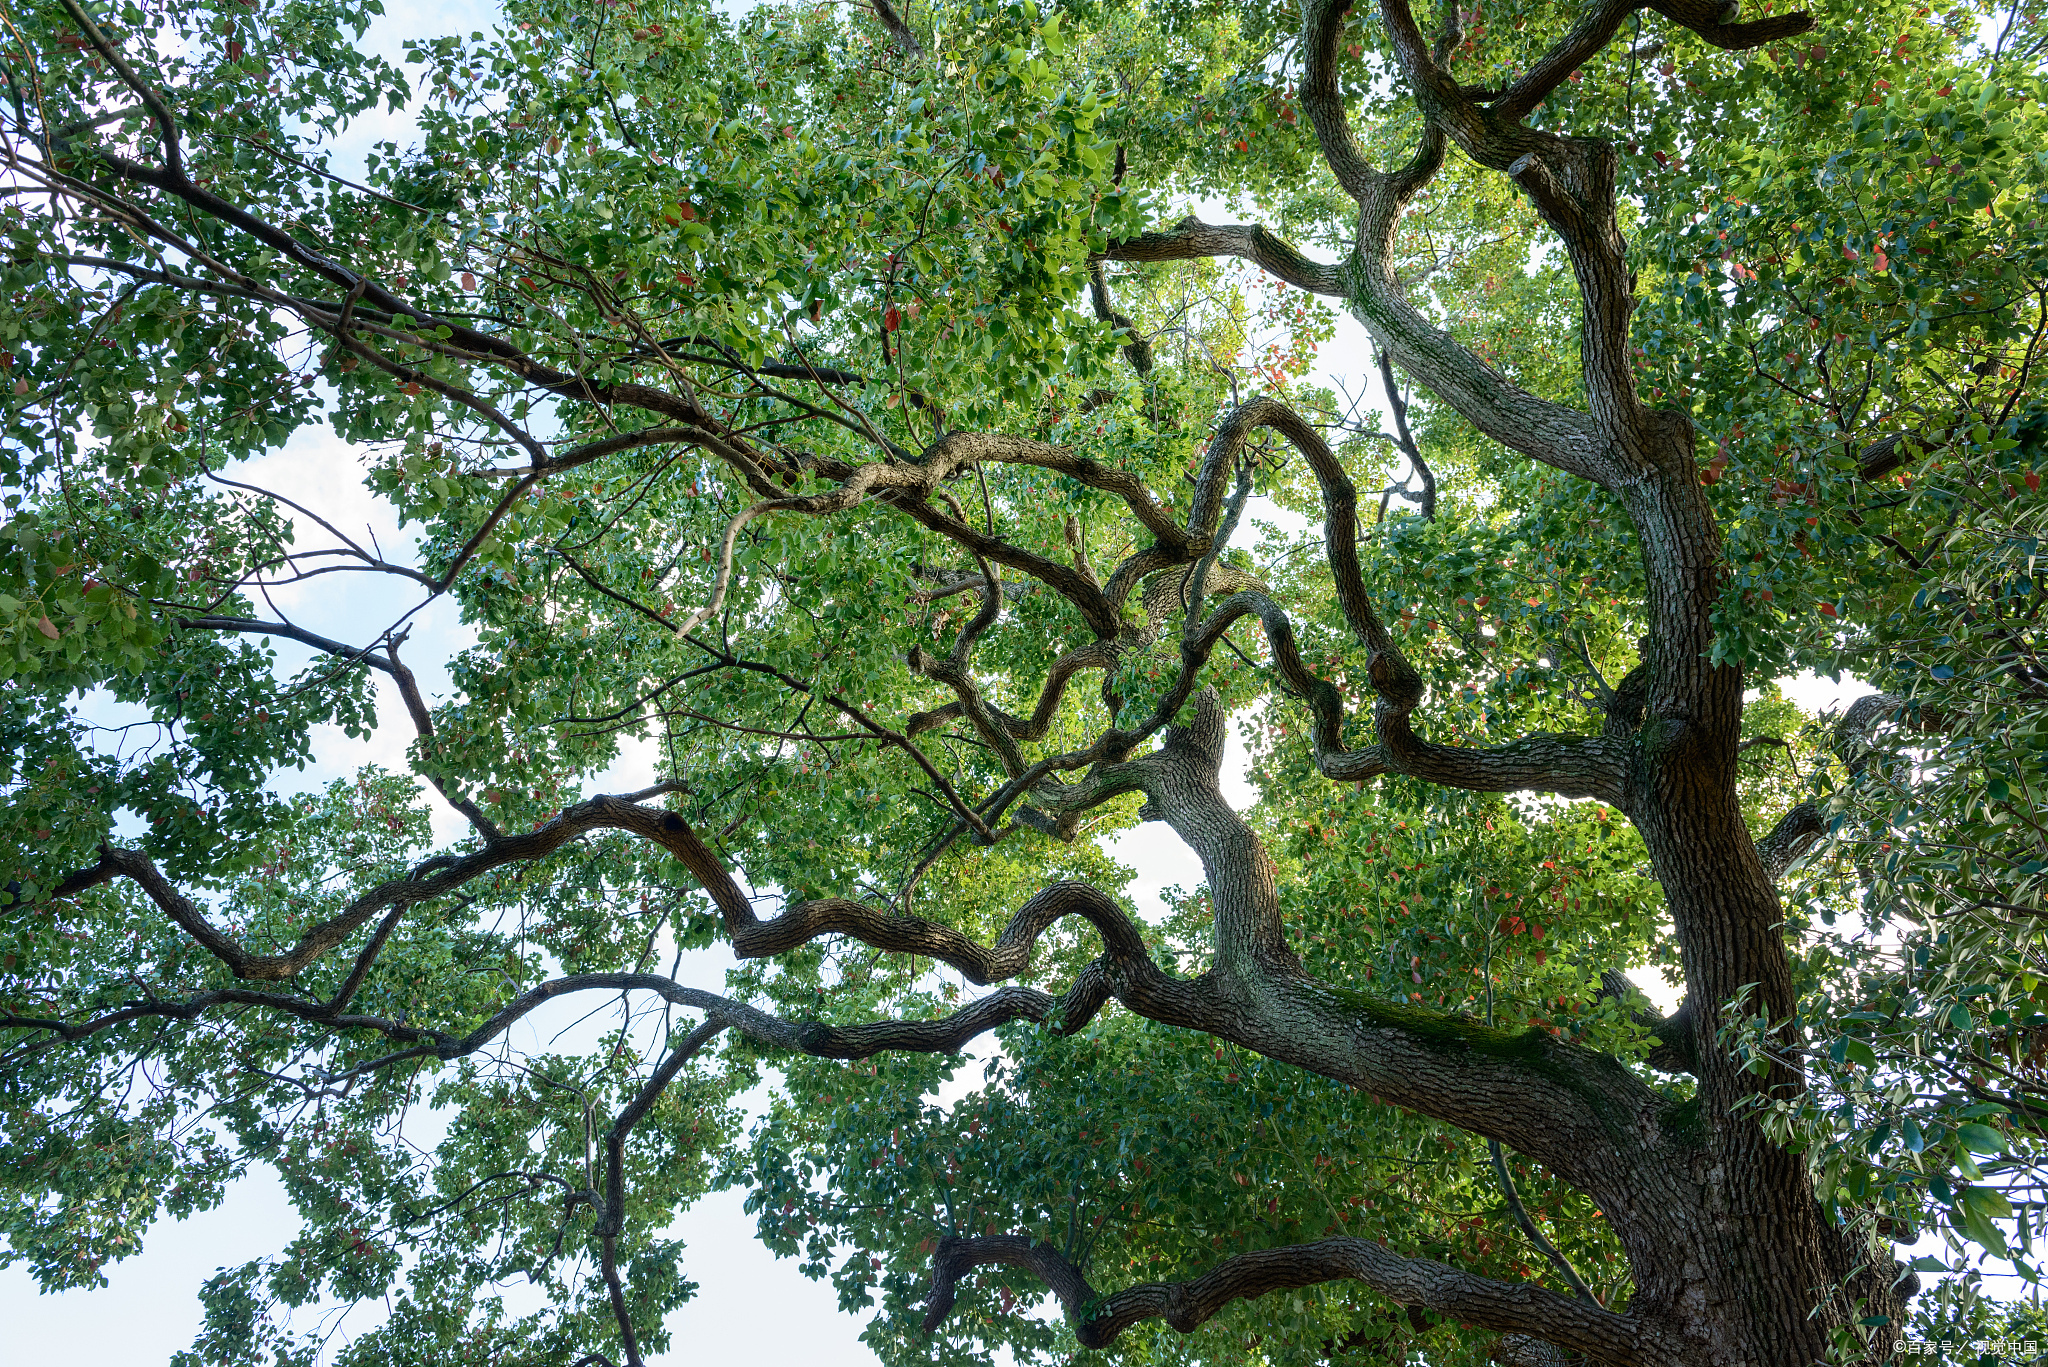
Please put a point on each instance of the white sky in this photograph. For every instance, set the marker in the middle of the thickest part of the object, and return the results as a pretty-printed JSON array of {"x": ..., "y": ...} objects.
[{"x": 751, "y": 1307}]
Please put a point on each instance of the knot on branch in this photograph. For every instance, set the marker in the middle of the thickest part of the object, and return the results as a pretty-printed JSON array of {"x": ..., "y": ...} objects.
[
  {"x": 1395, "y": 680},
  {"x": 1674, "y": 1051},
  {"x": 1624, "y": 706},
  {"x": 1520, "y": 1350},
  {"x": 958, "y": 1255},
  {"x": 1527, "y": 169}
]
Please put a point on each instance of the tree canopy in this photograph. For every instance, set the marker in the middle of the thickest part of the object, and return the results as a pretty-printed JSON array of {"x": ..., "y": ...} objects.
[{"x": 840, "y": 418}]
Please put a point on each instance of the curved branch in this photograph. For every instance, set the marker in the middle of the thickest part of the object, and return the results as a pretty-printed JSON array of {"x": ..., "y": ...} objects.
[
  {"x": 1711, "y": 20},
  {"x": 1322, "y": 98},
  {"x": 1597, "y": 27},
  {"x": 1398, "y": 406},
  {"x": 434, "y": 878},
  {"x": 1099, "y": 1320},
  {"x": 957, "y": 450},
  {"x": 1800, "y": 829},
  {"x": 1091, "y": 989},
  {"x": 1795, "y": 833},
  {"x": 1506, "y": 1182},
  {"x": 1138, "y": 351},
  {"x": 1191, "y": 238},
  {"x": 954, "y": 673},
  {"x": 898, "y": 30},
  {"x": 1095, "y": 655},
  {"x": 388, "y": 662},
  {"x": 596, "y": 450},
  {"x": 948, "y": 1034},
  {"x": 1576, "y": 766},
  {"x": 1009, "y": 956},
  {"x": 1572, "y": 184}
]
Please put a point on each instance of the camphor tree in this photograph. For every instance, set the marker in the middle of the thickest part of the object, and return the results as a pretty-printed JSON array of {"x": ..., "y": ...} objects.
[{"x": 838, "y": 406}]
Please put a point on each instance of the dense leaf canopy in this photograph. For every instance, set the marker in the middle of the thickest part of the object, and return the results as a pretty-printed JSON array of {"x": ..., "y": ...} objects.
[{"x": 836, "y": 422}]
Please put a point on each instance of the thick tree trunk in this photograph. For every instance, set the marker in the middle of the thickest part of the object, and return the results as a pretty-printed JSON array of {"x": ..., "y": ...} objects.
[
  {"x": 1741, "y": 1252},
  {"x": 1738, "y": 1252},
  {"x": 1736, "y": 1263}
]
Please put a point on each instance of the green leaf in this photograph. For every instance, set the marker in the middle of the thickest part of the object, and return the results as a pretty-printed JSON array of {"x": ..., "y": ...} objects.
[{"x": 1981, "y": 1138}]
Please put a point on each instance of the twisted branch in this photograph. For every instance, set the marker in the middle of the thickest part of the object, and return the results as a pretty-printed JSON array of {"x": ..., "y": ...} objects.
[{"x": 1185, "y": 1305}]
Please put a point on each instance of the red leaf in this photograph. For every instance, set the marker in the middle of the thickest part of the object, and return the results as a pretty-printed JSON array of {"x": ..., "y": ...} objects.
[{"x": 468, "y": 282}]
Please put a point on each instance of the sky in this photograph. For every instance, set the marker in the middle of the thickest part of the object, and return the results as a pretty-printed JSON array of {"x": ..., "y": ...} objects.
[{"x": 751, "y": 1307}]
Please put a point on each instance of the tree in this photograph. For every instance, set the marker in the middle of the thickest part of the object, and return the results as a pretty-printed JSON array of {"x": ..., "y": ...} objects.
[{"x": 818, "y": 400}]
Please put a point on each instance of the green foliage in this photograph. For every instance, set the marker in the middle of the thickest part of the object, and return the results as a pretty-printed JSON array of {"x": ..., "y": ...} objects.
[{"x": 836, "y": 249}]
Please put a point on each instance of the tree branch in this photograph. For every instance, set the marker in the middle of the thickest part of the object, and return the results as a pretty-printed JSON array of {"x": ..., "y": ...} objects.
[
  {"x": 948, "y": 1034},
  {"x": 1192, "y": 238},
  {"x": 901, "y": 32},
  {"x": 1405, "y": 439},
  {"x": 1599, "y": 24},
  {"x": 1138, "y": 350},
  {"x": 1099, "y": 1320}
]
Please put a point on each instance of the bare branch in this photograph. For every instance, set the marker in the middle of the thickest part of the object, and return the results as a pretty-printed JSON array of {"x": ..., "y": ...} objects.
[
  {"x": 435, "y": 878},
  {"x": 1138, "y": 350},
  {"x": 1599, "y": 24},
  {"x": 898, "y": 30},
  {"x": 1192, "y": 238},
  {"x": 1578, "y": 766},
  {"x": 388, "y": 662},
  {"x": 903, "y": 934},
  {"x": 1099, "y": 1320},
  {"x": 1398, "y": 406}
]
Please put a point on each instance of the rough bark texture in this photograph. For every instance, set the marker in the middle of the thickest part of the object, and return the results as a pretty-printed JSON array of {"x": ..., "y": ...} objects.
[
  {"x": 1734, "y": 1261},
  {"x": 1730, "y": 1250}
]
